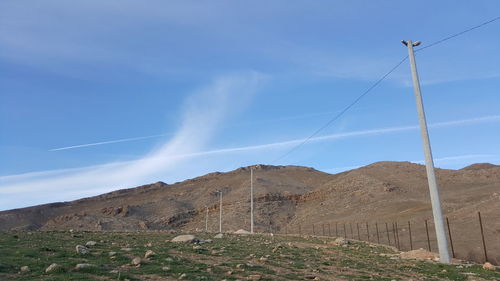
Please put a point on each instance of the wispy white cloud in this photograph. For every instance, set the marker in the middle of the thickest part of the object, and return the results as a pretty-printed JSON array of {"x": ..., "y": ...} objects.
[{"x": 203, "y": 114}]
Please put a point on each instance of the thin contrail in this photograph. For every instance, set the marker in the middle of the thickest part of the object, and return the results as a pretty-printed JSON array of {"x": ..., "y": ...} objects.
[
  {"x": 491, "y": 118},
  {"x": 107, "y": 142},
  {"x": 295, "y": 141}
]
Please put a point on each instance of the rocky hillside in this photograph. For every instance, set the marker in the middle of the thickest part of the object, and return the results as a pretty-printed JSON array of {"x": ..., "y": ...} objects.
[{"x": 292, "y": 199}]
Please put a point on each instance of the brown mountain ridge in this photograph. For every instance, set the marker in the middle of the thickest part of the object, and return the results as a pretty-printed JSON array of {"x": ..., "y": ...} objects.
[{"x": 292, "y": 199}]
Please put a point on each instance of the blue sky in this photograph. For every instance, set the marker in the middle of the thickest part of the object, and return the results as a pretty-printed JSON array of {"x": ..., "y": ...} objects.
[{"x": 212, "y": 86}]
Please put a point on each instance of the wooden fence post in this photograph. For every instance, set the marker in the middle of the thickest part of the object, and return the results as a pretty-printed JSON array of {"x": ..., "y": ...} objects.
[
  {"x": 394, "y": 236},
  {"x": 397, "y": 235},
  {"x": 428, "y": 239},
  {"x": 388, "y": 236},
  {"x": 367, "y": 231},
  {"x": 482, "y": 236},
  {"x": 411, "y": 240},
  {"x": 378, "y": 237},
  {"x": 451, "y": 239}
]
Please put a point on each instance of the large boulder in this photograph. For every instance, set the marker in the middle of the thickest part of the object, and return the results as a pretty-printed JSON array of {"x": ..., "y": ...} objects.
[
  {"x": 489, "y": 266},
  {"x": 219, "y": 236},
  {"x": 81, "y": 249},
  {"x": 242, "y": 232},
  {"x": 149, "y": 253},
  {"x": 186, "y": 238},
  {"x": 81, "y": 266},
  {"x": 341, "y": 241},
  {"x": 136, "y": 261},
  {"x": 52, "y": 268},
  {"x": 25, "y": 269}
]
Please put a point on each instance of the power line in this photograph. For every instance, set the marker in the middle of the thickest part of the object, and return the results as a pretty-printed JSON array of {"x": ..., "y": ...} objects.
[
  {"x": 458, "y": 34},
  {"x": 336, "y": 117},
  {"x": 343, "y": 111}
]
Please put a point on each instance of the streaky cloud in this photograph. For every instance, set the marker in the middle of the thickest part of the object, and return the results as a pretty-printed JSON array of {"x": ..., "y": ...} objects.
[{"x": 203, "y": 113}]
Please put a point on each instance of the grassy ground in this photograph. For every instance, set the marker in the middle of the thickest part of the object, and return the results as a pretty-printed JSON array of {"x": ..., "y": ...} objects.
[{"x": 231, "y": 258}]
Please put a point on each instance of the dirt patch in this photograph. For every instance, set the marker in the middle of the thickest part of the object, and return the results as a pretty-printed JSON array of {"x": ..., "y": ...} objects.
[{"x": 419, "y": 254}]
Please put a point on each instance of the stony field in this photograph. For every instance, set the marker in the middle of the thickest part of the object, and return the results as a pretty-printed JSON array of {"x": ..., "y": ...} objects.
[{"x": 121, "y": 256}]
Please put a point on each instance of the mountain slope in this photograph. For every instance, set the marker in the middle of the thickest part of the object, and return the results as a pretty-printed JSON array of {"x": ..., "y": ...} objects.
[{"x": 289, "y": 198}]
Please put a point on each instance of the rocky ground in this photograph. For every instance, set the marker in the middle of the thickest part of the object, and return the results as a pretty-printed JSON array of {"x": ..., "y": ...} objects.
[{"x": 64, "y": 255}]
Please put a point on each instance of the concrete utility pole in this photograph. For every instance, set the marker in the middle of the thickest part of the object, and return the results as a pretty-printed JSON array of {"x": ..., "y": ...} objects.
[
  {"x": 251, "y": 200},
  {"x": 220, "y": 211},
  {"x": 442, "y": 240},
  {"x": 206, "y": 219}
]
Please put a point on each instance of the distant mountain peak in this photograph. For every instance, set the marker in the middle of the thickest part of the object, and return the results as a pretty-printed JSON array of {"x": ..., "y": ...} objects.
[{"x": 480, "y": 166}]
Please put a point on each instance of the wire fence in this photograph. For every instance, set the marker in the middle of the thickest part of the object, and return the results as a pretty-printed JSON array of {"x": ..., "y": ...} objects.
[
  {"x": 471, "y": 238},
  {"x": 410, "y": 235}
]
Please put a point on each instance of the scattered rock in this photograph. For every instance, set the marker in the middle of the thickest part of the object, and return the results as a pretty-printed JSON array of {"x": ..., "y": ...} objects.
[
  {"x": 136, "y": 261},
  {"x": 218, "y": 236},
  {"x": 489, "y": 266},
  {"x": 149, "y": 253},
  {"x": 187, "y": 238},
  {"x": 25, "y": 269},
  {"x": 149, "y": 245},
  {"x": 143, "y": 225},
  {"x": 53, "y": 267},
  {"x": 183, "y": 276},
  {"x": 111, "y": 254},
  {"x": 242, "y": 232},
  {"x": 84, "y": 266},
  {"x": 81, "y": 249},
  {"x": 165, "y": 268},
  {"x": 91, "y": 243},
  {"x": 341, "y": 241},
  {"x": 126, "y": 249},
  {"x": 254, "y": 277}
]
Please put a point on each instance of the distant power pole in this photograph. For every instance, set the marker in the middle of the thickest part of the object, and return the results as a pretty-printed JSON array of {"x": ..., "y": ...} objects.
[
  {"x": 220, "y": 212},
  {"x": 251, "y": 200},
  {"x": 206, "y": 219},
  {"x": 442, "y": 240}
]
